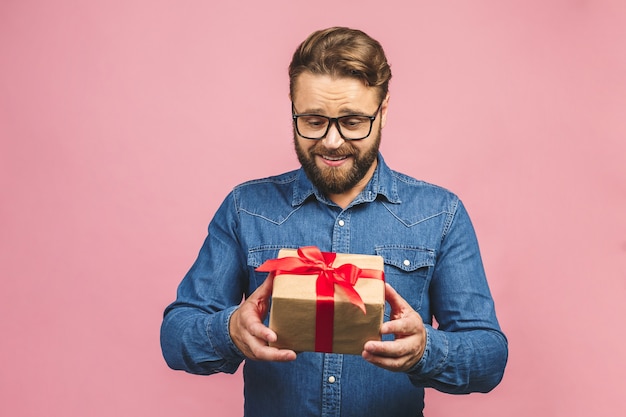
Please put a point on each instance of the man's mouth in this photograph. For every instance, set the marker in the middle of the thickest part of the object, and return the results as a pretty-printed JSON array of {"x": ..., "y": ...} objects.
[
  {"x": 334, "y": 158},
  {"x": 334, "y": 161}
]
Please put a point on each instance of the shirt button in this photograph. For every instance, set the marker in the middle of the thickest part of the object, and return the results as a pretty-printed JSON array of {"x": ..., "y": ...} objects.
[
  {"x": 406, "y": 262},
  {"x": 331, "y": 379},
  {"x": 341, "y": 223}
]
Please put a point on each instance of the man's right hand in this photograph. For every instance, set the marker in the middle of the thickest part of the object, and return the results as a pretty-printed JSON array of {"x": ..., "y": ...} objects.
[{"x": 249, "y": 333}]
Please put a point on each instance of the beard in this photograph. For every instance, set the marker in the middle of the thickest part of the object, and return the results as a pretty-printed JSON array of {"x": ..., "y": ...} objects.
[{"x": 337, "y": 180}]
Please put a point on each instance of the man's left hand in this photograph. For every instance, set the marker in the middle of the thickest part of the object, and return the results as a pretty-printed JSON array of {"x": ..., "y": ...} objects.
[{"x": 407, "y": 326}]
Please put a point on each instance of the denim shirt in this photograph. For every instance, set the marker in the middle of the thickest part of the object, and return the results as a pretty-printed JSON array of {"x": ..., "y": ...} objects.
[{"x": 431, "y": 258}]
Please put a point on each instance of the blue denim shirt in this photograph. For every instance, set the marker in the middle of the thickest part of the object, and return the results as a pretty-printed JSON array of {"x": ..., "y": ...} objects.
[{"x": 431, "y": 257}]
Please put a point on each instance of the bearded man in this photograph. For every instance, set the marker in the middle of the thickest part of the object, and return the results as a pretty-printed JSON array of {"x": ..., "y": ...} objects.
[{"x": 343, "y": 199}]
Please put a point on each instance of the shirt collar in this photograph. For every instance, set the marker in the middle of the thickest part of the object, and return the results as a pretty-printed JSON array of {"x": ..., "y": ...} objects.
[{"x": 383, "y": 183}]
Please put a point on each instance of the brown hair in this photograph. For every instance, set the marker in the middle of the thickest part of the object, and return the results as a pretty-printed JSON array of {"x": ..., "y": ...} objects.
[{"x": 342, "y": 52}]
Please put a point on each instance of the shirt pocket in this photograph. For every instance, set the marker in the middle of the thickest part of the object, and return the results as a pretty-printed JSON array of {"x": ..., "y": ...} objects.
[
  {"x": 256, "y": 257},
  {"x": 408, "y": 270}
]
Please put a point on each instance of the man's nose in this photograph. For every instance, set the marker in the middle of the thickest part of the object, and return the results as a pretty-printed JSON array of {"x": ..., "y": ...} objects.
[{"x": 333, "y": 139}]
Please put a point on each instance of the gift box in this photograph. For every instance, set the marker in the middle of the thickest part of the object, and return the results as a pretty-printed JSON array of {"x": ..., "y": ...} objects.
[{"x": 326, "y": 302}]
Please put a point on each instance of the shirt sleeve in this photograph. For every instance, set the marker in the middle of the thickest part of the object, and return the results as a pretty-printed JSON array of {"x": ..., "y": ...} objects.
[
  {"x": 467, "y": 351},
  {"x": 195, "y": 333}
]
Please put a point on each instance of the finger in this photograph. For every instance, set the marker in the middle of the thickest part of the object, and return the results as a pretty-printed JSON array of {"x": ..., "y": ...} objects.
[
  {"x": 390, "y": 364},
  {"x": 261, "y": 331},
  {"x": 269, "y": 353},
  {"x": 257, "y": 342},
  {"x": 384, "y": 356},
  {"x": 390, "y": 349},
  {"x": 252, "y": 338},
  {"x": 257, "y": 303},
  {"x": 400, "y": 327},
  {"x": 264, "y": 291},
  {"x": 398, "y": 355},
  {"x": 395, "y": 300}
]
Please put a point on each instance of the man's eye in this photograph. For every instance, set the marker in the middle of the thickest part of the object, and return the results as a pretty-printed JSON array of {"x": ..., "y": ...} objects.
[
  {"x": 353, "y": 122},
  {"x": 314, "y": 122}
]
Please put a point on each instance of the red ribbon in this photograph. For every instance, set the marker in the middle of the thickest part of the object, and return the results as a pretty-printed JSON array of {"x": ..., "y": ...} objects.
[{"x": 312, "y": 261}]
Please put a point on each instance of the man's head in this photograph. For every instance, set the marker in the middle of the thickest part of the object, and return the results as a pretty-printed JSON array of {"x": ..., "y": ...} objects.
[
  {"x": 342, "y": 52},
  {"x": 339, "y": 82}
]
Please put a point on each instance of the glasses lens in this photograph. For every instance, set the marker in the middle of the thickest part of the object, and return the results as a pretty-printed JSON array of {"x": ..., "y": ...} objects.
[
  {"x": 312, "y": 126},
  {"x": 350, "y": 127},
  {"x": 355, "y": 127}
]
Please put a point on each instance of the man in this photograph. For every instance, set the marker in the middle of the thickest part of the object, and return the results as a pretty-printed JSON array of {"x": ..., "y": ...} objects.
[{"x": 344, "y": 199}]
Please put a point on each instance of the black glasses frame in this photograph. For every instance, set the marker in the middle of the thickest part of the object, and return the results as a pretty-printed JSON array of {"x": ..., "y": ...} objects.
[{"x": 334, "y": 120}]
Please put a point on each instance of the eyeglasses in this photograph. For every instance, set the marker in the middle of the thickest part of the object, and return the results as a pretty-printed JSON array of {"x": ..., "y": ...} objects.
[{"x": 350, "y": 127}]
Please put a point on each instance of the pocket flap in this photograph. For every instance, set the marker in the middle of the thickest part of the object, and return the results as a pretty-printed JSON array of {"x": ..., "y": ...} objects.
[{"x": 407, "y": 258}]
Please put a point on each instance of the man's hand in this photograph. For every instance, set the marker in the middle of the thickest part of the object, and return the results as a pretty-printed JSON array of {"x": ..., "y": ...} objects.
[
  {"x": 249, "y": 333},
  {"x": 410, "y": 337}
]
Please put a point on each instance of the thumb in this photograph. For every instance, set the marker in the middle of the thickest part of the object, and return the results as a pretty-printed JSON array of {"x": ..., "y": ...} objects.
[
  {"x": 396, "y": 302},
  {"x": 264, "y": 291}
]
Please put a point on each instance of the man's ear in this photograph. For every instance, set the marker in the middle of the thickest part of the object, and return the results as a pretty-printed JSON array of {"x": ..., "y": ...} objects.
[{"x": 383, "y": 111}]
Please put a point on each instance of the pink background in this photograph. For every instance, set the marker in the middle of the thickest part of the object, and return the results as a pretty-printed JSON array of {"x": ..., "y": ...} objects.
[{"x": 124, "y": 123}]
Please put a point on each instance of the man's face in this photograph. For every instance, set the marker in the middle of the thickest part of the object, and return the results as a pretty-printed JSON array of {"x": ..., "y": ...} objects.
[{"x": 334, "y": 165}]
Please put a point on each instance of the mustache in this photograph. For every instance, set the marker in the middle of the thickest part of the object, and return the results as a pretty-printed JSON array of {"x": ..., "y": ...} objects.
[{"x": 345, "y": 149}]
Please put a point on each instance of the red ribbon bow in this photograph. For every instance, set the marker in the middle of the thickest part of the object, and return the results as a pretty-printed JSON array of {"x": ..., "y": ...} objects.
[{"x": 311, "y": 261}]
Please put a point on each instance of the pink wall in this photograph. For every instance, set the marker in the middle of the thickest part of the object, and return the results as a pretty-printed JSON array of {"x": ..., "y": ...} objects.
[{"x": 122, "y": 127}]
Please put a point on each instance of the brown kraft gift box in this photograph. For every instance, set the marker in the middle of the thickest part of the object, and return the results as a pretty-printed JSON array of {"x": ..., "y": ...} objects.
[{"x": 294, "y": 302}]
